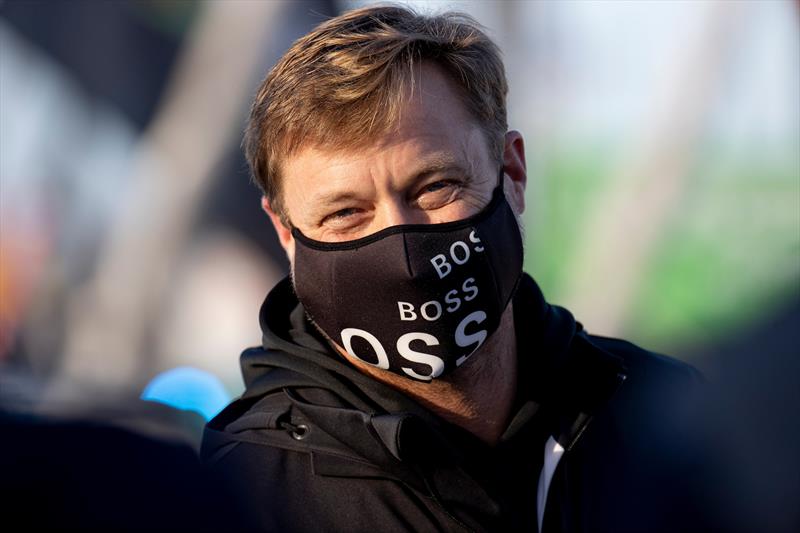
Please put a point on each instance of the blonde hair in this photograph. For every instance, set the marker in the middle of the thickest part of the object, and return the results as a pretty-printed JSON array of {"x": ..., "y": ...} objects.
[{"x": 344, "y": 82}]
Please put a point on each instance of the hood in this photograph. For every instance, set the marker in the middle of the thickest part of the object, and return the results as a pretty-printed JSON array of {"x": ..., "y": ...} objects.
[{"x": 296, "y": 378}]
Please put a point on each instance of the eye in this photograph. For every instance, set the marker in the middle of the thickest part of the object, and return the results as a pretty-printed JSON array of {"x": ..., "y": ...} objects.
[
  {"x": 342, "y": 219},
  {"x": 436, "y": 186},
  {"x": 438, "y": 194}
]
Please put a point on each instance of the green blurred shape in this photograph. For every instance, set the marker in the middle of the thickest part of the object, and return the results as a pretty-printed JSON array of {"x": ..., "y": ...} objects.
[{"x": 728, "y": 254}]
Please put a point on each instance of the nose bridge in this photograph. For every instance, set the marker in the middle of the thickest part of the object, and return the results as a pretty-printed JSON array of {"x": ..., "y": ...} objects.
[{"x": 394, "y": 211}]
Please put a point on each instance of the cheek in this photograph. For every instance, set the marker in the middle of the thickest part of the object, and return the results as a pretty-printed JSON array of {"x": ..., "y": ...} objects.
[
  {"x": 452, "y": 213},
  {"x": 471, "y": 203}
]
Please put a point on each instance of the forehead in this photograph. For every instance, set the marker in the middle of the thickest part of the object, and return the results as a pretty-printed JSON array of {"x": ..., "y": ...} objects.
[{"x": 434, "y": 127}]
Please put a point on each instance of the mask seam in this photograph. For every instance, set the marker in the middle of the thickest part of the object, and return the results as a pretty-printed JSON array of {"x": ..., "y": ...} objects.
[
  {"x": 332, "y": 285},
  {"x": 407, "y": 255}
]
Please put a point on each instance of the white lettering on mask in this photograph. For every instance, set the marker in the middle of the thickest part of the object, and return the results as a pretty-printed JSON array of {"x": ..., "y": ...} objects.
[
  {"x": 452, "y": 299},
  {"x": 404, "y": 349},
  {"x": 473, "y": 237},
  {"x": 347, "y": 336},
  {"x": 406, "y": 311},
  {"x": 459, "y": 245},
  {"x": 433, "y": 309},
  {"x": 441, "y": 265},
  {"x": 459, "y": 254},
  {"x": 468, "y": 287},
  {"x": 427, "y": 316},
  {"x": 464, "y": 340}
]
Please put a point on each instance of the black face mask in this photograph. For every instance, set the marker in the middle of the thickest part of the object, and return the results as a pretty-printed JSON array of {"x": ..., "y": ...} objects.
[{"x": 414, "y": 299}]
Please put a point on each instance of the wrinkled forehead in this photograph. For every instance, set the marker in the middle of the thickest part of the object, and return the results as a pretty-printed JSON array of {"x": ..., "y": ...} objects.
[
  {"x": 393, "y": 163},
  {"x": 433, "y": 130},
  {"x": 429, "y": 102}
]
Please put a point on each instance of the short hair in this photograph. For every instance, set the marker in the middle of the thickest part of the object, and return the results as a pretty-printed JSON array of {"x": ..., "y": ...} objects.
[{"x": 344, "y": 82}]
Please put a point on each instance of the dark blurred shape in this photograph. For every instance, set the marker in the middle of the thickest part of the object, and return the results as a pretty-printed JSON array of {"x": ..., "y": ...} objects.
[
  {"x": 124, "y": 467},
  {"x": 750, "y": 423},
  {"x": 118, "y": 51},
  {"x": 728, "y": 456}
]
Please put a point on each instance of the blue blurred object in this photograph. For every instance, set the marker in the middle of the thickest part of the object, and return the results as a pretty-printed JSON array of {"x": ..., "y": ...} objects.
[{"x": 188, "y": 388}]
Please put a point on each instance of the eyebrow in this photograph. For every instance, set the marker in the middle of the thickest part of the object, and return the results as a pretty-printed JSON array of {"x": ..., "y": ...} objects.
[
  {"x": 442, "y": 166},
  {"x": 323, "y": 202},
  {"x": 327, "y": 200}
]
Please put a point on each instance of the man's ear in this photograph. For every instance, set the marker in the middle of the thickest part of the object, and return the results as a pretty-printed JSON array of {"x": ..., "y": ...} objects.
[
  {"x": 284, "y": 234},
  {"x": 516, "y": 177}
]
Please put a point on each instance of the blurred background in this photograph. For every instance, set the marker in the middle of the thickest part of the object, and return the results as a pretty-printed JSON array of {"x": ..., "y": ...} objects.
[{"x": 663, "y": 143}]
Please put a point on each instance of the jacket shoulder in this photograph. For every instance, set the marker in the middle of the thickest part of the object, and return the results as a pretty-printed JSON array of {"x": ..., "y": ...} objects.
[
  {"x": 290, "y": 474},
  {"x": 646, "y": 365},
  {"x": 647, "y": 411},
  {"x": 637, "y": 462}
]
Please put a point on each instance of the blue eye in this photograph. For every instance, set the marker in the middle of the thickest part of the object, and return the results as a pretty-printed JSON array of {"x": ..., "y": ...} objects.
[
  {"x": 438, "y": 194},
  {"x": 343, "y": 213},
  {"x": 436, "y": 186},
  {"x": 343, "y": 219}
]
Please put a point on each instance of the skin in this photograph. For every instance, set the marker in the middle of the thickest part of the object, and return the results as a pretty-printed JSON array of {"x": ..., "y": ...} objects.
[{"x": 434, "y": 167}]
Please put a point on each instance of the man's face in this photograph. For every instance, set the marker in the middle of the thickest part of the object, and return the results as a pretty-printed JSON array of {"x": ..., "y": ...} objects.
[{"x": 436, "y": 167}]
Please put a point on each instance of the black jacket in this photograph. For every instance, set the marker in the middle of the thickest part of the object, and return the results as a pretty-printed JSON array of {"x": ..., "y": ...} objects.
[{"x": 315, "y": 445}]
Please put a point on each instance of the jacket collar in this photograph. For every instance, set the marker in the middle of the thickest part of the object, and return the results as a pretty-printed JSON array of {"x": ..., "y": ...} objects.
[
  {"x": 564, "y": 378},
  {"x": 563, "y": 374}
]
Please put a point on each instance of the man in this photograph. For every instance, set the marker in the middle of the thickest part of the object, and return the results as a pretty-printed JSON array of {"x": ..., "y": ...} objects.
[{"x": 411, "y": 376}]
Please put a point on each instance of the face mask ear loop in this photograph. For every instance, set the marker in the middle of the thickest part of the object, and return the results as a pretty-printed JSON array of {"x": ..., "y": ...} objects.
[{"x": 500, "y": 178}]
